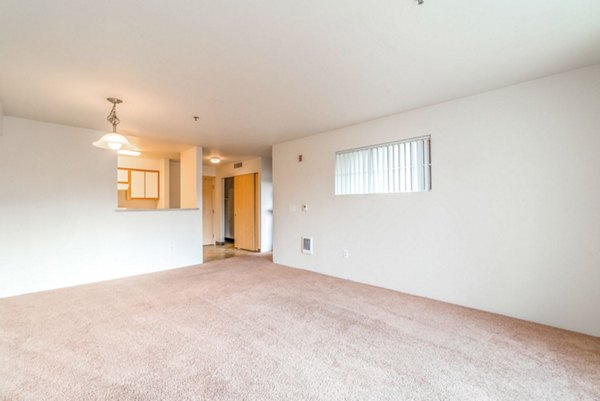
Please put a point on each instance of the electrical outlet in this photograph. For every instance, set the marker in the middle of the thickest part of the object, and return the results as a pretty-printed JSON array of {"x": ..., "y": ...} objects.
[{"x": 346, "y": 253}]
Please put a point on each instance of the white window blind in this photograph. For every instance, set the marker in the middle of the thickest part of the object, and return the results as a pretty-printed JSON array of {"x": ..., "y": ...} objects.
[{"x": 402, "y": 166}]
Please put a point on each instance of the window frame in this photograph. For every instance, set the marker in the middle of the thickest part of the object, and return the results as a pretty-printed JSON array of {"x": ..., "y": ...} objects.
[{"x": 377, "y": 166}]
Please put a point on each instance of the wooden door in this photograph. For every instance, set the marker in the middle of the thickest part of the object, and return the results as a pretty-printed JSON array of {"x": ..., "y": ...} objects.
[
  {"x": 208, "y": 212},
  {"x": 244, "y": 211}
]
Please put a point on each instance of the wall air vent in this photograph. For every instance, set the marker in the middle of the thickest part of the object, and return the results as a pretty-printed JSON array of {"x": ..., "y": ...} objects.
[
  {"x": 237, "y": 165},
  {"x": 307, "y": 245}
]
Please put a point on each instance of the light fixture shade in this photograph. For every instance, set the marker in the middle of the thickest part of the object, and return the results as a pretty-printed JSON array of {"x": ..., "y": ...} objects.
[
  {"x": 129, "y": 152},
  {"x": 112, "y": 141},
  {"x": 215, "y": 160}
]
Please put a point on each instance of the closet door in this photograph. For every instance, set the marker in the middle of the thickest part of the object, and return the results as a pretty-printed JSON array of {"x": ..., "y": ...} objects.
[{"x": 244, "y": 207}]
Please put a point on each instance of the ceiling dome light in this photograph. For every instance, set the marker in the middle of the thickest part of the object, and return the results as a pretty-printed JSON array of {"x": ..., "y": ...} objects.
[
  {"x": 215, "y": 159},
  {"x": 113, "y": 140}
]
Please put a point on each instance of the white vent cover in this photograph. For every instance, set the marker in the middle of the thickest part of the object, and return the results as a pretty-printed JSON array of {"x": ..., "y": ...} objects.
[{"x": 307, "y": 245}]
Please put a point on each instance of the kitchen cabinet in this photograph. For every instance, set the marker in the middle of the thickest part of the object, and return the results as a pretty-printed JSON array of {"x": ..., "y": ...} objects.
[
  {"x": 122, "y": 176},
  {"x": 140, "y": 184},
  {"x": 151, "y": 184},
  {"x": 137, "y": 186}
]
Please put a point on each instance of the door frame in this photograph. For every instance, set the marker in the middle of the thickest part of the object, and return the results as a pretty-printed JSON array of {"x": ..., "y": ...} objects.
[
  {"x": 212, "y": 214},
  {"x": 257, "y": 216}
]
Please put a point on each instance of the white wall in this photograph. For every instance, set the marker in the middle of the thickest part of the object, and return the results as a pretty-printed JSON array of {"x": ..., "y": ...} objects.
[
  {"x": 191, "y": 178},
  {"x": 262, "y": 166},
  {"x": 1, "y": 118},
  {"x": 164, "y": 185},
  {"x": 512, "y": 224},
  {"x": 58, "y": 221},
  {"x": 138, "y": 162},
  {"x": 266, "y": 205},
  {"x": 210, "y": 171}
]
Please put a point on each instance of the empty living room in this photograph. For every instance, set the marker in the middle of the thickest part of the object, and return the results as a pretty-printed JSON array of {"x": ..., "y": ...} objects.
[{"x": 311, "y": 200}]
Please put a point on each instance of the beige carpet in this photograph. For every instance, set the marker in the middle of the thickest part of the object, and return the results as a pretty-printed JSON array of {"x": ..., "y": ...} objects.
[{"x": 246, "y": 329}]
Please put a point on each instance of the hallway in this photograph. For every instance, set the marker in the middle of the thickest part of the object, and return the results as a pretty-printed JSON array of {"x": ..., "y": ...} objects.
[{"x": 218, "y": 252}]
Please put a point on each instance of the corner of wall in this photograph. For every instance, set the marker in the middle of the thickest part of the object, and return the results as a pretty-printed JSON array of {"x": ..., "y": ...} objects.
[
  {"x": 164, "y": 201},
  {"x": 500, "y": 217},
  {"x": 266, "y": 204},
  {"x": 191, "y": 178}
]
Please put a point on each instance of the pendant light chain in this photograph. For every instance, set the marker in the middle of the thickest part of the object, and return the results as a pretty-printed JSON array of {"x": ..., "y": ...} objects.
[{"x": 112, "y": 116}]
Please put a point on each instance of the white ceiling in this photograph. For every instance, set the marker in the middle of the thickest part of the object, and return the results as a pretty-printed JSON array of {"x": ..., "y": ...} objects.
[{"x": 262, "y": 72}]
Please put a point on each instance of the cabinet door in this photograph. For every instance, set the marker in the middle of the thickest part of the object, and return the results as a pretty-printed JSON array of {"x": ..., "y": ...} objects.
[
  {"x": 122, "y": 175},
  {"x": 137, "y": 185},
  {"x": 151, "y": 185}
]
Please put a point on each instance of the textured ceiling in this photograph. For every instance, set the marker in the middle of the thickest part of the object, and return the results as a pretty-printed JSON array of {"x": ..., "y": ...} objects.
[{"x": 262, "y": 72}]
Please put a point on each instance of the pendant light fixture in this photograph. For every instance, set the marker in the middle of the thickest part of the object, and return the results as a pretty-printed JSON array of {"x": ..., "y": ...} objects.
[{"x": 114, "y": 140}]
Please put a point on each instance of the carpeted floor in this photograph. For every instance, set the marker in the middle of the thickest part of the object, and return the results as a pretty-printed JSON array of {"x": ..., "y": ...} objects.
[{"x": 246, "y": 329}]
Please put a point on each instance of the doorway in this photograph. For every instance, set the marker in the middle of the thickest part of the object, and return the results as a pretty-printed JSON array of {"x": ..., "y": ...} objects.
[
  {"x": 228, "y": 199},
  {"x": 240, "y": 206}
]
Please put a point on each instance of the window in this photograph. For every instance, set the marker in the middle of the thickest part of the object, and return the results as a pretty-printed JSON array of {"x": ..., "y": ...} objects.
[{"x": 402, "y": 166}]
